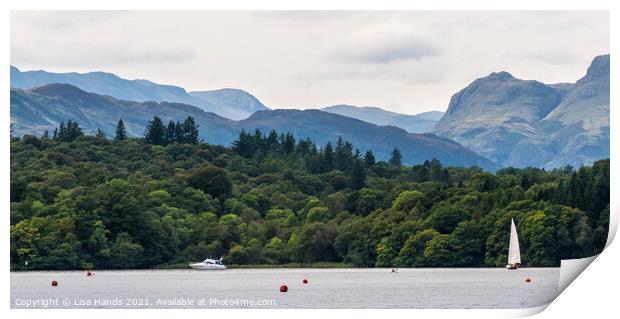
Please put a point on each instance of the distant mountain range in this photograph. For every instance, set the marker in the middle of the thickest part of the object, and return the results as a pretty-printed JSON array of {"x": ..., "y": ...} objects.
[
  {"x": 42, "y": 108},
  {"x": 527, "y": 123},
  {"x": 230, "y": 103},
  {"x": 419, "y": 123},
  {"x": 508, "y": 121}
]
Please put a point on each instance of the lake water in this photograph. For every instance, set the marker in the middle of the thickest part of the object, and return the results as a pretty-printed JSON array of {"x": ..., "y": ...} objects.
[{"x": 259, "y": 288}]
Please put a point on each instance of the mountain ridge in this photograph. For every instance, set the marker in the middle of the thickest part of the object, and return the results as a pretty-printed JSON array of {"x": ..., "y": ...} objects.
[
  {"x": 139, "y": 90},
  {"x": 418, "y": 123},
  {"x": 42, "y": 108},
  {"x": 524, "y": 123},
  {"x": 512, "y": 122},
  {"x": 232, "y": 103}
]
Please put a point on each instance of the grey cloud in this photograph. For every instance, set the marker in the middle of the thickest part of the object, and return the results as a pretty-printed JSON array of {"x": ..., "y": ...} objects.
[
  {"x": 555, "y": 57},
  {"x": 386, "y": 43},
  {"x": 169, "y": 55},
  {"x": 92, "y": 38},
  {"x": 429, "y": 71},
  {"x": 552, "y": 56},
  {"x": 307, "y": 15},
  {"x": 62, "y": 20},
  {"x": 105, "y": 56},
  {"x": 397, "y": 49},
  {"x": 413, "y": 58}
]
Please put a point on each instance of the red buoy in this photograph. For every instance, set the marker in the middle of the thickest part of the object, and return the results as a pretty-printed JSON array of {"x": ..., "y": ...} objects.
[
  {"x": 88, "y": 273},
  {"x": 305, "y": 281},
  {"x": 54, "y": 283},
  {"x": 283, "y": 288}
]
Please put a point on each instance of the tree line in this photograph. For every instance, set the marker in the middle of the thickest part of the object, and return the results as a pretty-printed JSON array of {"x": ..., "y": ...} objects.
[
  {"x": 156, "y": 132},
  {"x": 315, "y": 159},
  {"x": 80, "y": 201}
]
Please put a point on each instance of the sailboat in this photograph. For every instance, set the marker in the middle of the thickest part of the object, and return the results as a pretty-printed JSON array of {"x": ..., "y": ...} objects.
[{"x": 514, "y": 254}]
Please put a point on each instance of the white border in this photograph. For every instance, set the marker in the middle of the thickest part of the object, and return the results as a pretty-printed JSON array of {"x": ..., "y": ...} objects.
[{"x": 594, "y": 292}]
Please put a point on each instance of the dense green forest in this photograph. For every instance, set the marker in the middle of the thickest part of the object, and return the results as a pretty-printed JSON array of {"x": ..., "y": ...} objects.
[{"x": 166, "y": 199}]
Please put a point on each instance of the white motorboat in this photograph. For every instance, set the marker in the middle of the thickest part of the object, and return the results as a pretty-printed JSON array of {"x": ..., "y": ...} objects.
[
  {"x": 514, "y": 253},
  {"x": 209, "y": 264}
]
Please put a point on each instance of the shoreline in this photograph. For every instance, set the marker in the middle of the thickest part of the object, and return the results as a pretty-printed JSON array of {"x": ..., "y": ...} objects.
[{"x": 258, "y": 267}]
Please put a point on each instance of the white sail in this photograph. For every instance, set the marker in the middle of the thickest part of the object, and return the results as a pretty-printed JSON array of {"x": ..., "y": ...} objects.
[{"x": 514, "y": 254}]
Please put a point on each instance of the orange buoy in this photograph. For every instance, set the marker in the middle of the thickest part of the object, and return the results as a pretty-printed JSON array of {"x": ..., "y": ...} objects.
[
  {"x": 54, "y": 283},
  {"x": 283, "y": 288},
  {"x": 305, "y": 281},
  {"x": 527, "y": 279}
]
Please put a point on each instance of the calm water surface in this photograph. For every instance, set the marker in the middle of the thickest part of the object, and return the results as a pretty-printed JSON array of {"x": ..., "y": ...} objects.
[{"x": 259, "y": 288}]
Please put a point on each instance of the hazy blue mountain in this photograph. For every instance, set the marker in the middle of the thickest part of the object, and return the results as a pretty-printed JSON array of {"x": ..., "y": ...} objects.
[
  {"x": 36, "y": 110},
  {"x": 231, "y": 103},
  {"x": 322, "y": 127},
  {"x": 419, "y": 123},
  {"x": 494, "y": 113},
  {"x": 43, "y": 108},
  {"x": 105, "y": 84},
  {"x": 578, "y": 128},
  {"x": 222, "y": 102},
  {"x": 527, "y": 123}
]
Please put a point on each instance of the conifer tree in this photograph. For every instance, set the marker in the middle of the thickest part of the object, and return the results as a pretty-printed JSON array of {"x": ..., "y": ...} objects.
[
  {"x": 396, "y": 159},
  {"x": 288, "y": 144},
  {"x": 69, "y": 132},
  {"x": 244, "y": 145},
  {"x": 179, "y": 134},
  {"x": 155, "y": 132},
  {"x": 328, "y": 157},
  {"x": 343, "y": 155},
  {"x": 369, "y": 158},
  {"x": 171, "y": 133},
  {"x": 120, "y": 133},
  {"x": 272, "y": 141},
  {"x": 358, "y": 175},
  {"x": 62, "y": 131},
  {"x": 190, "y": 131}
]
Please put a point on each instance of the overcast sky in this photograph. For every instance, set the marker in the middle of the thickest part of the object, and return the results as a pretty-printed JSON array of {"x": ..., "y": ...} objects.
[{"x": 407, "y": 62}]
